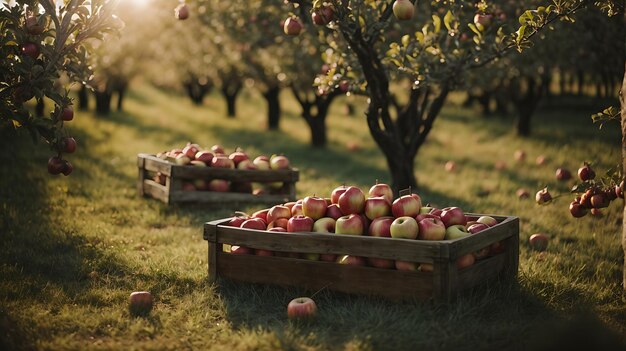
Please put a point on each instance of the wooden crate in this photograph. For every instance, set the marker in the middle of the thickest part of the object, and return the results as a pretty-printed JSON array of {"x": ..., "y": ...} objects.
[
  {"x": 443, "y": 283},
  {"x": 172, "y": 191}
]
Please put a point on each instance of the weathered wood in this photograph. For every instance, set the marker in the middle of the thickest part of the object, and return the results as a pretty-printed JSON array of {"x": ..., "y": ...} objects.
[
  {"x": 235, "y": 175},
  {"x": 141, "y": 175},
  {"x": 212, "y": 260},
  {"x": 315, "y": 275},
  {"x": 367, "y": 246},
  {"x": 481, "y": 271},
  {"x": 217, "y": 197},
  {"x": 154, "y": 189},
  {"x": 482, "y": 239},
  {"x": 155, "y": 164}
]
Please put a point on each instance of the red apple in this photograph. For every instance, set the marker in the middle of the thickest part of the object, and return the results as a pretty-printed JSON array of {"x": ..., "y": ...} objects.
[
  {"x": 68, "y": 144},
  {"x": 351, "y": 224},
  {"x": 403, "y": 9},
  {"x": 296, "y": 210},
  {"x": 453, "y": 215},
  {"x": 377, "y": 207},
  {"x": 190, "y": 150},
  {"x": 351, "y": 260},
  {"x": 522, "y": 193},
  {"x": 381, "y": 262},
  {"x": 204, "y": 156},
  {"x": 381, "y": 226},
  {"x": 278, "y": 211},
  {"x": 324, "y": 225},
  {"x": 422, "y": 216},
  {"x": 577, "y": 210},
  {"x": 586, "y": 173},
  {"x": 563, "y": 174},
  {"x": 381, "y": 189},
  {"x": 478, "y": 227},
  {"x": 543, "y": 196},
  {"x": 237, "y": 157},
  {"x": 538, "y": 242},
  {"x": 237, "y": 221},
  {"x": 219, "y": 185},
  {"x": 218, "y": 149},
  {"x": 182, "y": 159},
  {"x": 406, "y": 266},
  {"x": 55, "y": 165},
  {"x": 67, "y": 114},
  {"x": 181, "y": 11},
  {"x": 431, "y": 229},
  {"x": 33, "y": 27},
  {"x": 599, "y": 200},
  {"x": 254, "y": 223},
  {"x": 314, "y": 207},
  {"x": 240, "y": 250},
  {"x": 406, "y": 205},
  {"x": 301, "y": 308},
  {"x": 262, "y": 163},
  {"x": 263, "y": 252},
  {"x": 279, "y": 222},
  {"x": 352, "y": 201},
  {"x": 488, "y": 220},
  {"x": 322, "y": 15},
  {"x": 292, "y": 26},
  {"x": 450, "y": 166},
  {"x": 541, "y": 160},
  {"x": 333, "y": 211},
  {"x": 334, "y": 196},
  {"x": 404, "y": 227},
  {"x": 220, "y": 161},
  {"x": 300, "y": 223},
  {"x": 246, "y": 164},
  {"x": 31, "y": 49},
  {"x": 140, "y": 303},
  {"x": 279, "y": 162},
  {"x": 465, "y": 261}
]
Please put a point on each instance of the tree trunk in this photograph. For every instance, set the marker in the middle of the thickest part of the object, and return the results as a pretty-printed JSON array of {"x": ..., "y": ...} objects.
[
  {"x": 316, "y": 121},
  {"x": 120, "y": 97},
  {"x": 103, "y": 102},
  {"x": 83, "y": 98},
  {"x": 525, "y": 103},
  {"x": 623, "y": 118},
  {"x": 40, "y": 108},
  {"x": 273, "y": 107},
  {"x": 230, "y": 90},
  {"x": 484, "y": 99}
]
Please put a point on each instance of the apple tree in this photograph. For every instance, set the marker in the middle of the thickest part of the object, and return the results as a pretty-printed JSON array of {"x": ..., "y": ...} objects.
[{"x": 39, "y": 42}]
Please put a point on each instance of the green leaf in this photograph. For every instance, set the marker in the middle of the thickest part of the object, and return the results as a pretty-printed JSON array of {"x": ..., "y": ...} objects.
[
  {"x": 520, "y": 34},
  {"x": 447, "y": 19},
  {"x": 437, "y": 23}
]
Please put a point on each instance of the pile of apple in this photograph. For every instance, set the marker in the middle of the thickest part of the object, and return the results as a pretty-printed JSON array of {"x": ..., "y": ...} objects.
[
  {"x": 216, "y": 157},
  {"x": 349, "y": 212}
]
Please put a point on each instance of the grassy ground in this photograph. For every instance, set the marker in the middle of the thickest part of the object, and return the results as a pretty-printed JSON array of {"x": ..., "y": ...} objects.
[{"x": 72, "y": 249}]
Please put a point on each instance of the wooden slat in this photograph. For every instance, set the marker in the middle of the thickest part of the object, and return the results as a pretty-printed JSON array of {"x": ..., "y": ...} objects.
[
  {"x": 511, "y": 254},
  {"x": 314, "y": 275},
  {"x": 141, "y": 175},
  {"x": 235, "y": 175},
  {"x": 507, "y": 228},
  {"x": 212, "y": 260},
  {"x": 210, "y": 229},
  {"x": 400, "y": 249},
  {"x": 155, "y": 164},
  {"x": 220, "y": 198},
  {"x": 154, "y": 189},
  {"x": 481, "y": 271}
]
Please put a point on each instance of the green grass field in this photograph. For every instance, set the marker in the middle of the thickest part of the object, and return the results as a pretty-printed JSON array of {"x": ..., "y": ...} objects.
[{"x": 73, "y": 248}]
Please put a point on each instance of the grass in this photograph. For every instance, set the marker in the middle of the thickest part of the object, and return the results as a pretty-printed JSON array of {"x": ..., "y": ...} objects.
[{"x": 72, "y": 249}]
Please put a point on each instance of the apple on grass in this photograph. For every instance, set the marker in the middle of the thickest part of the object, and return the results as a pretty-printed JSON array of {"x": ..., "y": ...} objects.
[
  {"x": 453, "y": 215},
  {"x": 300, "y": 223},
  {"x": 377, "y": 207},
  {"x": 351, "y": 201},
  {"x": 538, "y": 242},
  {"x": 314, "y": 207},
  {"x": 381, "y": 189},
  {"x": 456, "y": 231},
  {"x": 406, "y": 205},
  {"x": 431, "y": 229},
  {"x": 301, "y": 308},
  {"x": 140, "y": 303},
  {"x": 381, "y": 227},
  {"x": 350, "y": 224},
  {"x": 404, "y": 227}
]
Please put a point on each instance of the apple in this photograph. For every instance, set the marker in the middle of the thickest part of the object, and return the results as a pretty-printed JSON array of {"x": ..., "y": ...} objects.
[
  {"x": 465, "y": 261},
  {"x": 499, "y": 165},
  {"x": 67, "y": 168},
  {"x": 279, "y": 222},
  {"x": 322, "y": 15},
  {"x": 68, "y": 144},
  {"x": 289, "y": 204},
  {"x": 577, "y": 210},
  {"x": 204, "y": 156},
  {"x": 351, "y": 201},
  {"x": 292, "y": 26},
  {"x": 456, "y": 231},
  {"x": 477, "y": 227},
  {"x": 67, "y": 114},
  {"x": 31, "y": 49},
  {"x": 538, "y": 242},
  {"x": 351, "y": 224},
  {"x": 488, "y": 220},
  {"x": 221, "y": 161},
  {"x": 276, "y": 212},
  {"x": 181, "y": 11},
  {"x": 563, "y": 174},
  {"x": 334, "y": 195},
  {"x": 324, "y": 225},
  {"x": 333, "y": 211},
  {"x": 254, "y": 223},
  {"x": 160, "y": 178},
  {"x": 421, "y": 216},
  {"x": 190, "y": 150},
  {"x": 246, "y": 164},
  {"x": 218, "y": 149},
  {"x": 586, "y": 173},
  {"x": 426, "y": 209},
  {"x": 140, "y": 303},
  {"x": 426, "y": 267},
  {"x": 596, "y": 212},
  {"x": 406, "y": 266},
  {"x": 381, "y": 189},
  {"x": 406, "y": 205},
  {"x": 522, "y": 193},
  {"x": 482, "y": 21},
  {"x": 200, "y": 184},
  {"x": 314, "y": 207},
  {"x": 543, "y": 196},
  {"x": 197, "y": 163},
  {"x": 237, "y": 157},
  {"x": 188, "y": 186},
  {"x": 450, "y": 166},
  {"x": 453, "y": 215},
  {"x": 55, "y": 165},
  {"x": 599, "y": 200},
  {"x": 381, "y": 227},
  {"x": 277, "y": 229},
  {"x": 237, "y": 221},
  {"x": 263, "y": 252},
  {"x": 431, "y": 229},
  {"x": 377, "y": 207},
  {"x": 279, "y": 162},
  {"x": 182, "y": 159},
  {"x": 540, "y": 160},
  {"x": 619, "y": 190},
  {"x": 262, "y": 163},
  {"x": 519, "y": 155},
  {"x": 381, "y": 262},
  {"x": 296, "y": 210},
  {"x": 33, "y": 27},
  {"x": 219, "y": 185},
  {"x": 262, "y": 214},
  {"x": 403, "y": 10},
  {"x": 404, "y": 227},
  {"x": 300, "y": 223},
  {"x": 351, "y": 260},
  {"x": 301, "y": 308}
]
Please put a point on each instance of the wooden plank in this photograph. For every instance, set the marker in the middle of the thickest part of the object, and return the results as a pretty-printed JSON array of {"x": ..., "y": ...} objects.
[
  {"x": 511, "y": 254},
  {"x": 367, "y": 246},
  {"x": 141, "y": 175},
  {"x": 314, "y": 275},
  {"x": 221, "y": 198},
  {"x": 507, "y": 228},
  {"x": 154, "y": 189},
  {"x": 445, "y": 274},
  {"x": 155, "y": 164},
  {"x": 481, "y": 271},
  {"x": 210, "y": 229},
  {"x": 235, "y": 175},
  {"x": 212, "y": 260}
]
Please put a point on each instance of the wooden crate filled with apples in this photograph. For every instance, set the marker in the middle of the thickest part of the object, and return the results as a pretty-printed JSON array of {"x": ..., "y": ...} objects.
[
  {"x": 374, "y": 244},
  {"x": 194, "y": 174}
]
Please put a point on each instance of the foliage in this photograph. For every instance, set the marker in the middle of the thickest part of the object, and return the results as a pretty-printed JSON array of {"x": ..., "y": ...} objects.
[{"x": 59, "y": 39}]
